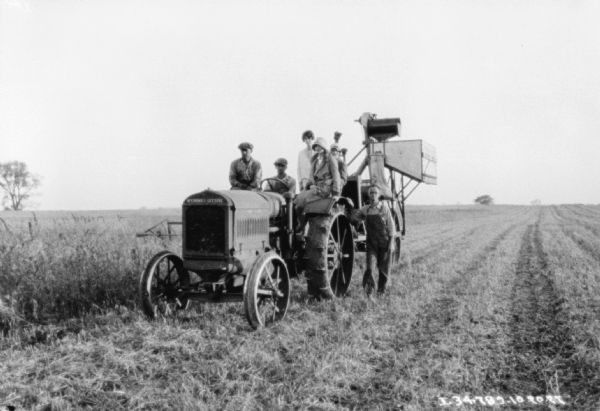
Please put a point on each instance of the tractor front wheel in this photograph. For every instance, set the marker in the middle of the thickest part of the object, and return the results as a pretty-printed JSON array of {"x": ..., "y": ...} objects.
[{"x": 266, "y": 291}]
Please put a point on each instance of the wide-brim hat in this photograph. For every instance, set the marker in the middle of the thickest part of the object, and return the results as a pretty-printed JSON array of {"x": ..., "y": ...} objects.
[
  {"x": 246, "y": 146},
  {"x": 321, "y": 142}
]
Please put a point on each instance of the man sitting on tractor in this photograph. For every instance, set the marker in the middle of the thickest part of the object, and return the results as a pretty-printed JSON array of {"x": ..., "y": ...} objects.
[
  {"x": 245, "y": 172},
  {"x": 380, "y": 240},
  {"x": 281, "y": 183}
]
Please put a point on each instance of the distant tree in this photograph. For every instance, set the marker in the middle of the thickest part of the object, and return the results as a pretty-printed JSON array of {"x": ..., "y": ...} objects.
[
  {"x": 484, "y": 200},
  {"x": 17, "y": 184},
  {"x": 536, "y": 202}
]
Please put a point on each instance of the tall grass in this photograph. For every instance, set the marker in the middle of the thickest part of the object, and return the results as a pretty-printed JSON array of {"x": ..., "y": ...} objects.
[
  {"x": 52, "y": 268},
  {"x": 57, "y": 265}
]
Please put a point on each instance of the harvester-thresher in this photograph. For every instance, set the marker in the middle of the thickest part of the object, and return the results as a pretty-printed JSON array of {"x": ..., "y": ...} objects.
[{"x": 241, "y": 245}]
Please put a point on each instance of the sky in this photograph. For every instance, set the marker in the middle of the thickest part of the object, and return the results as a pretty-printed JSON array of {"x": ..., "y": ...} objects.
[{"x": 122, "y": 104}]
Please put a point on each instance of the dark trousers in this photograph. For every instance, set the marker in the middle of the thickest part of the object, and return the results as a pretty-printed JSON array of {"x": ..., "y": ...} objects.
[{"x": 378, "y": 260}]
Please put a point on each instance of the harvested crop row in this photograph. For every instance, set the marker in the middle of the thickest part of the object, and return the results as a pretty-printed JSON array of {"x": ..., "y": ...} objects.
[
  {"x": 585, "y": 210},
  {"x": 458, "y": 327},
  {"x": 540, "y": 345},
  {"x": 443, "y": 310},
  {"x": 542, "y": 356},
  {"x": 567, "y": 217},
  {"x": 582, "y": 233},
  {"x": 576, "y": 270},
  {"x": 428, "y": 247},
  {"x": 445, "y": 328}
]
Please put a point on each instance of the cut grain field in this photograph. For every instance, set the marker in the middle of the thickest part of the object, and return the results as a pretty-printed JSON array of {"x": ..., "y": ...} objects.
[{"x": 490, "y": 308}]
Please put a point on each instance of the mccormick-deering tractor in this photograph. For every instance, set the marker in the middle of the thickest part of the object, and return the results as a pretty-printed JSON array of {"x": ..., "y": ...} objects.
[{"x": 240, "y": 245}]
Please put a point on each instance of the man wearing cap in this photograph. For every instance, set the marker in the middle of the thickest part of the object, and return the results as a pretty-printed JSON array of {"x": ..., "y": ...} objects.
[
  {"x": 281, "y": 183},
  {"x": 304, "y": 159},
  {"x": 380, "y": 240},
  {"x": 245, "y": 172},
  {"x": 337, "y": 154}
]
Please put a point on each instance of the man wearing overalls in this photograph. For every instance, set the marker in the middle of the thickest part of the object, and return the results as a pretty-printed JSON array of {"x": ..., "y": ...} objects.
[{"x": 380, "y": 240}]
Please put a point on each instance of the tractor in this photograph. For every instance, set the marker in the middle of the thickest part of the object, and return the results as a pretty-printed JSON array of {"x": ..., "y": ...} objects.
[{"x": 241, "y": 245}]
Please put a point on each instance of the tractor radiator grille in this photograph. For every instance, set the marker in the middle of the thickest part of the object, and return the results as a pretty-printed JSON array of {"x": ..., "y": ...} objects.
[
  {"x": 205, "y": 230},
  {"x": 249, "y": 227}
]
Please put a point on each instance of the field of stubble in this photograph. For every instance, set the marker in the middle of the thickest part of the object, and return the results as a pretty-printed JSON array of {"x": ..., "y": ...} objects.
[{"x": 500, "y": 303}]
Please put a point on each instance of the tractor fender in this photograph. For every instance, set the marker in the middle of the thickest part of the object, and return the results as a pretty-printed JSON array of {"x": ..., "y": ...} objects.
[{"x": 325, "y": 206}]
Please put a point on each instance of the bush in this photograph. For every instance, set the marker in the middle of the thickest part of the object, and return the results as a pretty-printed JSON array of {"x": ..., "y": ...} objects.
[{"x": 485, "y": 199}]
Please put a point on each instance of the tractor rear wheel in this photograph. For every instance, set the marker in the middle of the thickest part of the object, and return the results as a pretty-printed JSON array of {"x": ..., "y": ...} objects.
[
  {"x": 160, "y": 285},
  {"x": 397, "y": 242},
  {"x": 396, "y": 251},
  {"x": 330, "y": 248}
]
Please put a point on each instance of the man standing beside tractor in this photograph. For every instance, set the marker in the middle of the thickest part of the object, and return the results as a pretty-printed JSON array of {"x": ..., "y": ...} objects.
[
  {"x": 380, "y": 240},
  {"x": 245, "y": 172}
]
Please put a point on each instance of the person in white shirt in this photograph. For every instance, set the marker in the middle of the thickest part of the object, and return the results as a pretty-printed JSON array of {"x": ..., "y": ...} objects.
[{"x": 304, "y": 158}]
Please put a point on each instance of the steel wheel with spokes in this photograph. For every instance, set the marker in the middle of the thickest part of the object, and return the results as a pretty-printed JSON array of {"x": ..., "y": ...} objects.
[
  {"x": 330, "y": 248},
  {"x": 396, "y": 251},
  {"x": 266, "y": 291},
  {"x": 160, "y": 285},
  {"x": 397, "y": 241},
  {"x": 340, "y": 254}
]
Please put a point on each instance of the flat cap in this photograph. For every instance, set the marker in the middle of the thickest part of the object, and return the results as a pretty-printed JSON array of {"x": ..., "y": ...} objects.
[
  {"x": 246, "y": 146},
  {"x": 334, "y": 147},
  {"x": 281, "y": 162}
]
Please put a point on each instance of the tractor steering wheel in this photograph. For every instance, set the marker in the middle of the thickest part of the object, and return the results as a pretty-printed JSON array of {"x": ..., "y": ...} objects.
[{"x": 273, "y": 179}]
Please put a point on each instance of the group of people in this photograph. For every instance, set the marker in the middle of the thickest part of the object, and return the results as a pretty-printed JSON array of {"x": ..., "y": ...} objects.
[
  {"x": 322, "y": 173},
  {"x": 318, "y": 165}
]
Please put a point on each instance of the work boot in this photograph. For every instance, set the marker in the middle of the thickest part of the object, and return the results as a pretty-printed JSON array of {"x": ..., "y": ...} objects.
[
  {"x": 326, "y": 294},
  {"x": 322, "y": 284},
  {"x": 311, "y": 290},
  {"x": 368, "y": 282}
]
